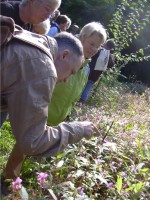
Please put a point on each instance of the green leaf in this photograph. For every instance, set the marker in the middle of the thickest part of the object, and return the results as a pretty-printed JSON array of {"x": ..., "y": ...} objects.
[
  {"x": 119, "y": 184},
  {"x": 130, "y": 188},
  {"x": 141, "y": 51},
  {"x": 60, "y": 155},
  {"x": 138, "y": 187},
  {"x": 144, "y": 170}
]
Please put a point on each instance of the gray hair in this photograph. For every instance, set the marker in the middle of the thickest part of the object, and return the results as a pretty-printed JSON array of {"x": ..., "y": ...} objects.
[
  {"x": 57, "y": 2},
  {"x": 93, "y": 28},
  {"x": 67, "y": 40}
]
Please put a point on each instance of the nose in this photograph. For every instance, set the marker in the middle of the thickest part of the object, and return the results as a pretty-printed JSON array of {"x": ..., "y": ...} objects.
[{"x": 47, "y": 16}]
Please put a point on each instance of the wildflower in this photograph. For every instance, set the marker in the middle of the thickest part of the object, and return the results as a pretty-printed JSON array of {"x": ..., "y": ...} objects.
[
  {"x": 124, "y": 186},
  {"x": 133, "y": 169},
  {"x": 97, "y": 161},
  {"x": 110, "y": 185},
  {"x": 42, "y": 178},
  {"x": 113, "y": 168},
  {"x": 123, "y": 135},
  {"x": 120, "y": 164},
  {"x": 16, "y": 185},
  {"x": 123, "y": 174},
  {"x": 106, "y": 140},
  {"x": 80, "y": 190},
  {"x": 99, "y": 117}
]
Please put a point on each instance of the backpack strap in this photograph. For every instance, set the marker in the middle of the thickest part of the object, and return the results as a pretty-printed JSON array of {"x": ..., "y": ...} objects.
[
  {"x": 7, "y": 26},
  {"x": 34, "y": 39}
]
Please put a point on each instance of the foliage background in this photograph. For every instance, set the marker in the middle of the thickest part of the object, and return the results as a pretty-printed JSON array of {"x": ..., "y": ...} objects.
[{"x": 82, "y": 12}]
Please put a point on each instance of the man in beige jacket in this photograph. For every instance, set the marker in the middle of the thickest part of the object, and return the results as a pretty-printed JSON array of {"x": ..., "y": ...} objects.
[{"x": 28, "y": 77}]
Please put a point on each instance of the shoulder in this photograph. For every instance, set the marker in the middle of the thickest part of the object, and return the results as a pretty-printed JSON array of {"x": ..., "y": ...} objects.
[
  {"x": 52, "y": 31},
  {"x": 6, "y": 6},
  {"x": 9, "y": 8},
  {"x": 52, "y": 44}
]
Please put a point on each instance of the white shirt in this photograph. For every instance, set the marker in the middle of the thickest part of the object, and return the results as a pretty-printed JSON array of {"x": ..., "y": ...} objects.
[{"x": 102, "y": 60}]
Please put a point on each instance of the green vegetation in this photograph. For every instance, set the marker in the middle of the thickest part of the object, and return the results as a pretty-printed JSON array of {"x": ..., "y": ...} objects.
[
  {"x": 115, "y": 165},
  {"x": 126, "y": 28}
]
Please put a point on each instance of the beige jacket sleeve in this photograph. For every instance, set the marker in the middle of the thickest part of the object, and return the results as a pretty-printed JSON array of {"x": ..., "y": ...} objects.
[{"x": 55, "y": 139}]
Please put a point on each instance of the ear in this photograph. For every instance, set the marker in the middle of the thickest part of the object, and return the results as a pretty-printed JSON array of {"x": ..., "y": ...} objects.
[{"x": 65, "y": 54}]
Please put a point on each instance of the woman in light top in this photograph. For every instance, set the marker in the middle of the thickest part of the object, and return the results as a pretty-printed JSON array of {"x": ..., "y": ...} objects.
[{"x": 65, "y": 95}]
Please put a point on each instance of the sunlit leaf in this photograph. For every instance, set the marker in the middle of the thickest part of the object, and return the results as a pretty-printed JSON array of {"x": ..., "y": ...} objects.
[
  {"x": 119, "y": 184},
  {"x": 60, "y": 163}
]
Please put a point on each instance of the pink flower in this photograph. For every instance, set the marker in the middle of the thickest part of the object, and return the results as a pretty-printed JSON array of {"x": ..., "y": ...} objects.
[
  {"x": 110, "y": 185},
  {"x": 124, "y": 186},
  {"x": 42, "y": 178},
  {"x": 133, "y": 169},
  {"x": 99, "y": 117},
  {"x": 123, "y": 174},
  {"x": 16, "y": 185},
  {"x": 123, "y": 135},
  {"x": 113, "y": 167},
  {"x": 80, "y": 190},
  {"x": 106, "y": 140}
]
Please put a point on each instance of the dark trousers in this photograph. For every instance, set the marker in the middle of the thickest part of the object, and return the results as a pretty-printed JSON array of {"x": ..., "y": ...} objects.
[{"x": 3, "y": 116}]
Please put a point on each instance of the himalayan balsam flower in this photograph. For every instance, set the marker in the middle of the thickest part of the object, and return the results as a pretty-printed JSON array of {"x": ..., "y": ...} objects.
[
  {"x": 133, "y": 169},
  {"x": 110, "y": 185},
  {"x": 42, "y": 178},
  {"x": 106, "y": 140},
  {"x": 16, "y": 185},
  {"x": 123, "y": 174},
  {"x": 80, "y": 190},
  {"x": 123, "y": 135},
  {"x": 124, "y": 186},
  {"x": 99, "y": 117}
]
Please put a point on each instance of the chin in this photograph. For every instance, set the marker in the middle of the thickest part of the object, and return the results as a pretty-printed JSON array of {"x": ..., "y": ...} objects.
[{"x": 88, "y": 55}]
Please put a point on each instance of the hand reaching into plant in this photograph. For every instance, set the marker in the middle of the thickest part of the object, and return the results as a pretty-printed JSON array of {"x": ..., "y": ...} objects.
[{"x": 89, "y": 129}]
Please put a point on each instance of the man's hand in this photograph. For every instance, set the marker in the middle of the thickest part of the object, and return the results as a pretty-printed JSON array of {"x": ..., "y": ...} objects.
[{"x": 89, "y": 129}]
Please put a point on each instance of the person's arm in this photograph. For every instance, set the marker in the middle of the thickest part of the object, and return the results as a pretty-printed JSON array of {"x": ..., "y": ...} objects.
[{"x": 111, "y": 61}]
